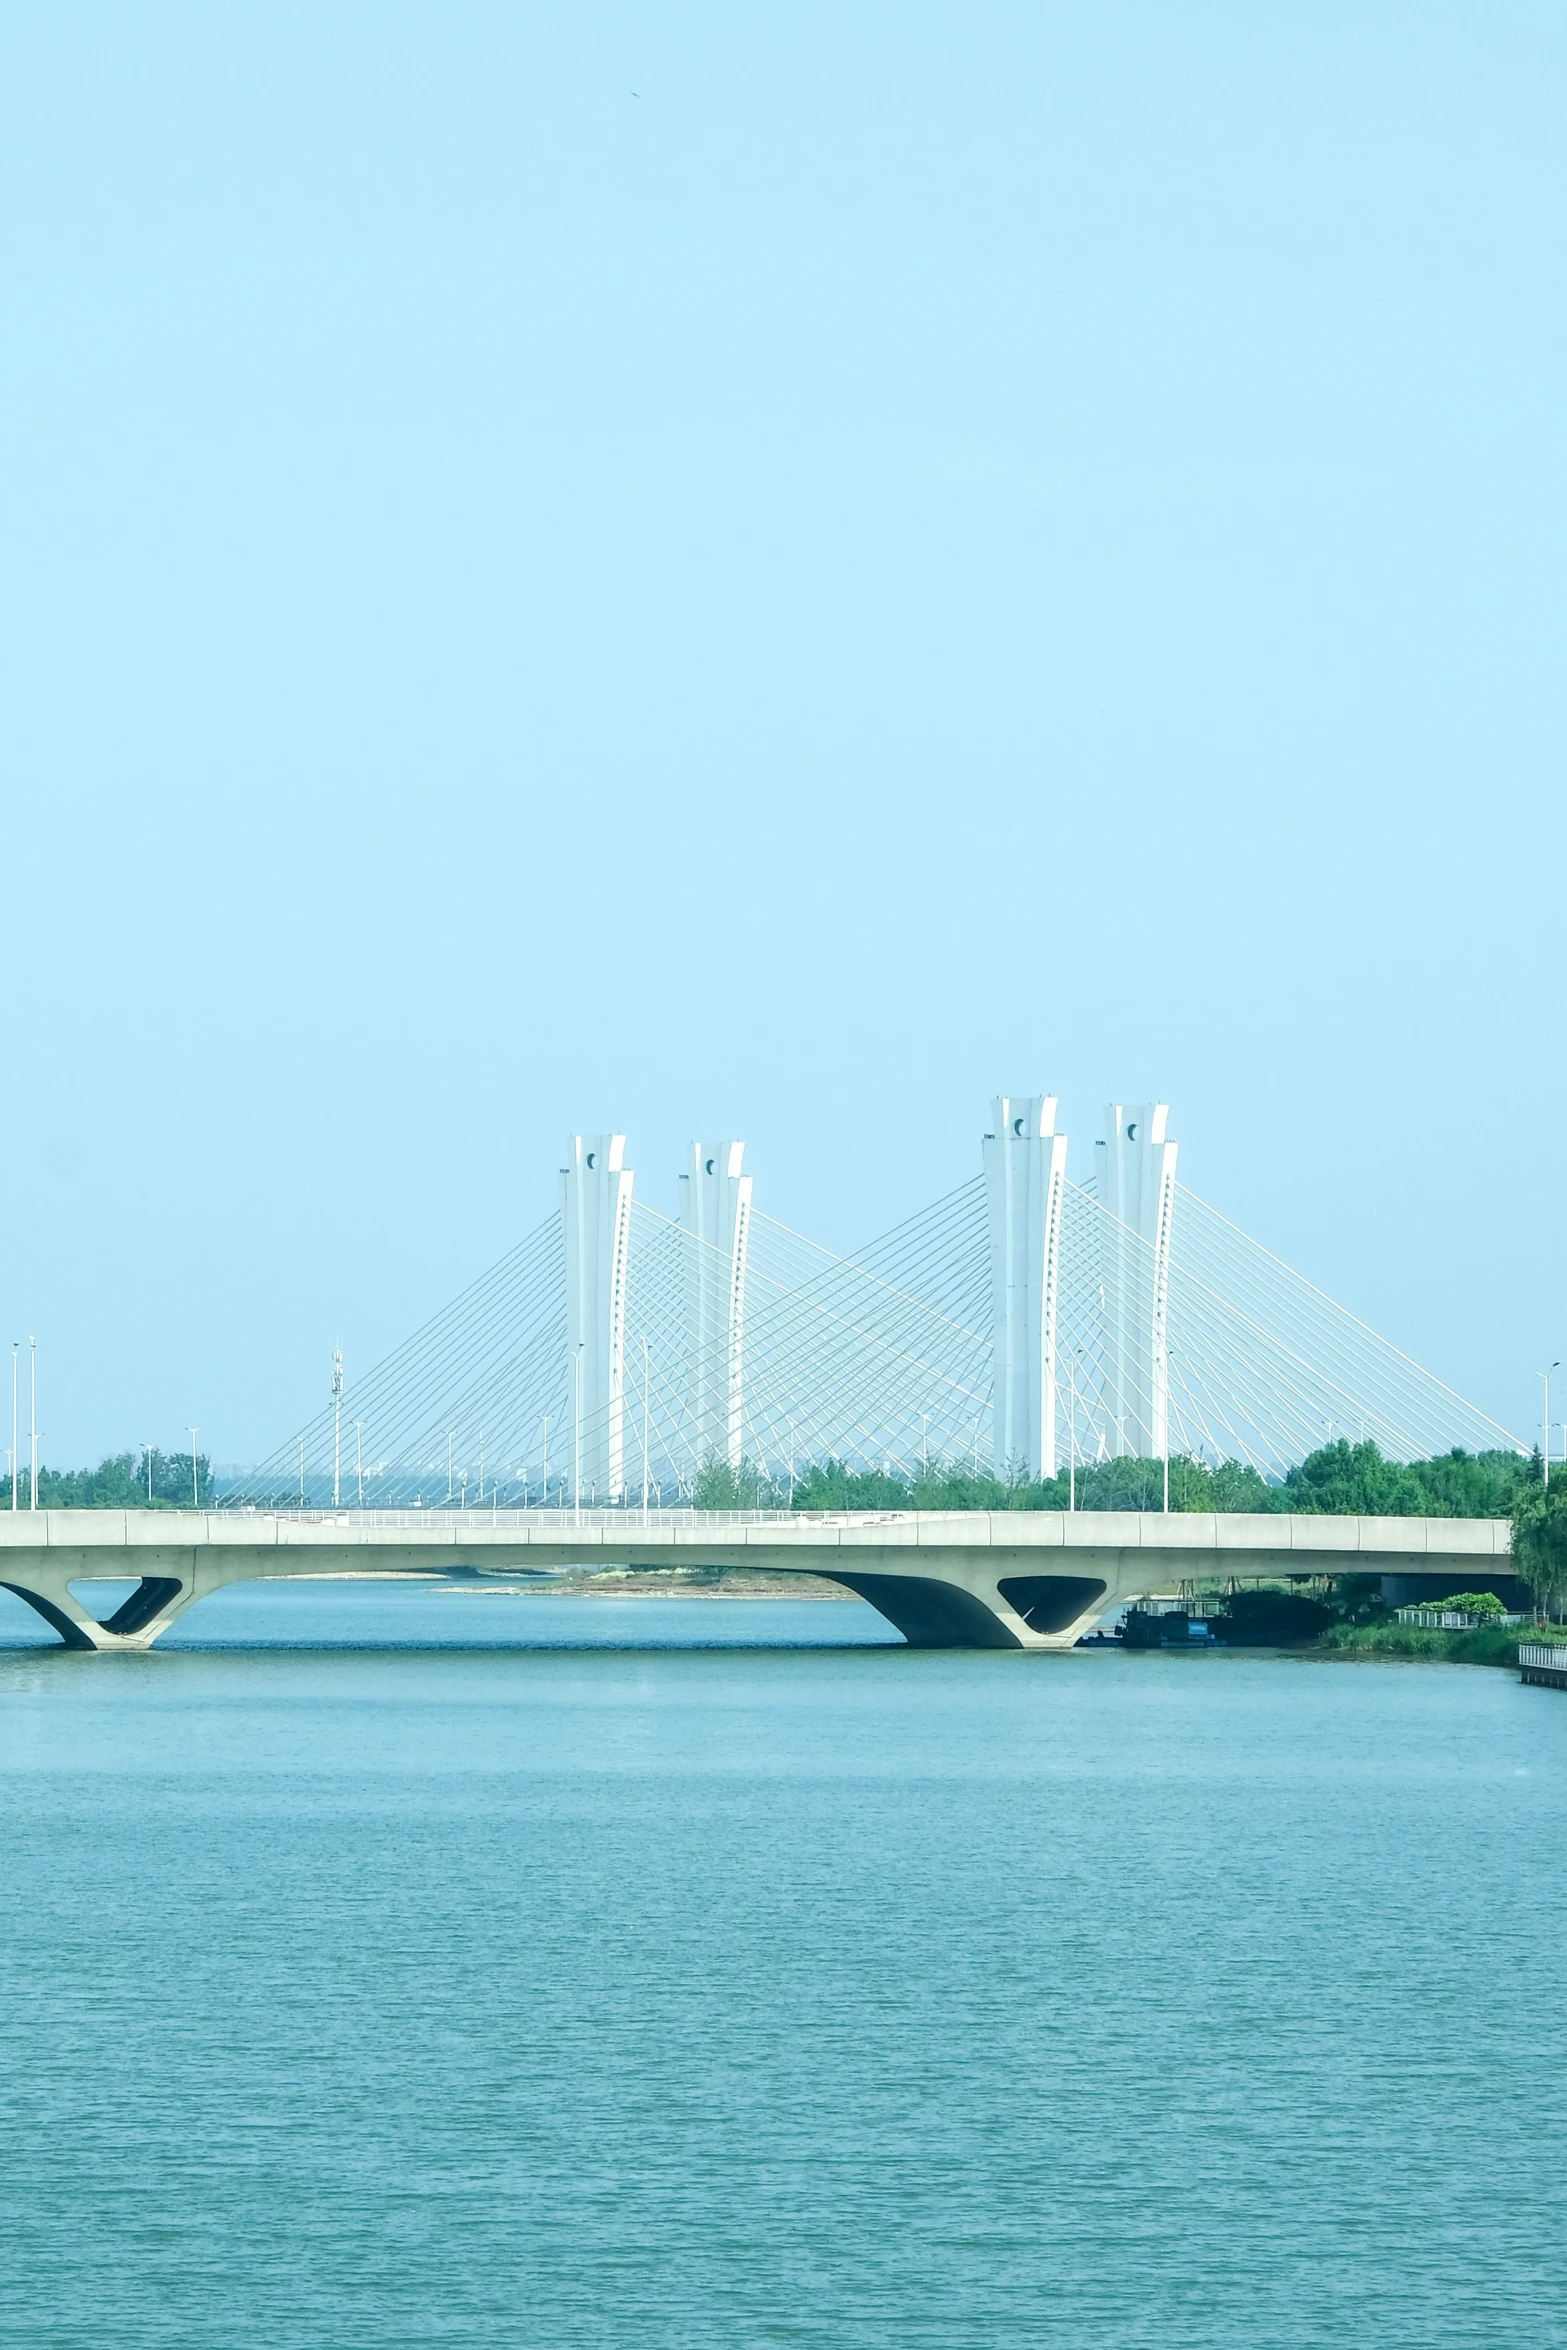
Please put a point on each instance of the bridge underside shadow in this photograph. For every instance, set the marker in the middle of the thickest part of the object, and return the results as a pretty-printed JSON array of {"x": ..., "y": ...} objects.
[
  {"x": 1052, "y": 1603},
  {"x": 135, "y": 1623},
  {"x": 931, "y": 1613}
]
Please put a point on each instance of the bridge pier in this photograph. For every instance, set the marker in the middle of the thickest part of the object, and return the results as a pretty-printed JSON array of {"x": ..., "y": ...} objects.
[
  {"x": 165, "y": 1590},
  {"x": 980, "y": 1609}
]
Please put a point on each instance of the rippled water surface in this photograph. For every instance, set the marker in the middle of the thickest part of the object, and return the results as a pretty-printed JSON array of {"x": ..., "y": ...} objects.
[{"x": 587, "y": 1974}]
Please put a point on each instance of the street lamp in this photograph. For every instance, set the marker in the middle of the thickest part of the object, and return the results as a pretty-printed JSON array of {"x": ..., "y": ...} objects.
[
  {"x": 337, "y": 1426},
  {"x": 576, "y": 1429},
  {"x": 1071, "y": 1455},
  {"x": 195, "y": 1487},
  {"x": 1546, "y": 1456}
]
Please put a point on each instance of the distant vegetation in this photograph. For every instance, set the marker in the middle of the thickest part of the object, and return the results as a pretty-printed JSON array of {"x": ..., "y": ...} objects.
[
  {"x": 1339, "y": 1480},
  {"x": 119, "y": 1483}
]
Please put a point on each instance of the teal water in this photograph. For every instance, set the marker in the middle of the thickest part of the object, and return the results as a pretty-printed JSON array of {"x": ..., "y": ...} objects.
[{"x": 388, "y": 1967}]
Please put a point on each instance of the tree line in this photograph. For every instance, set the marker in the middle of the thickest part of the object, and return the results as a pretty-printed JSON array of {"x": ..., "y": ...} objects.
[
  {"x": 149, "y": 1479},
  {"x": 1338, "y": 1480}
]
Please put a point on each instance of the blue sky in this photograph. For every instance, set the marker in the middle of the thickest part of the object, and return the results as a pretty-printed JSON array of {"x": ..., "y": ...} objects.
[{"x": 774, "y": 572}]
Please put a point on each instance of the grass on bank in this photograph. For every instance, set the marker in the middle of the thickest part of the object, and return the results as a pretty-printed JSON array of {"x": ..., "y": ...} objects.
[{"x": 1486, "y": 1644}]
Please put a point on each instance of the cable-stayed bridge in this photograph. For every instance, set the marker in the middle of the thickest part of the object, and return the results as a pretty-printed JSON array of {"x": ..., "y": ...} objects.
[
  {"x": 1024, "y": 1324},
  {"x": 618, "y": 1365}
]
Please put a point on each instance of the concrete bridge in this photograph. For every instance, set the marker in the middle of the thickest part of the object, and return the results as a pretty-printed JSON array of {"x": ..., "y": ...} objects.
[{"x": 1003, "y": 1579}]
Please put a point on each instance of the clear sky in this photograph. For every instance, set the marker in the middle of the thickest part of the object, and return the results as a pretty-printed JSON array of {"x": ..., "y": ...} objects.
[{"x": 768, "y": 571}]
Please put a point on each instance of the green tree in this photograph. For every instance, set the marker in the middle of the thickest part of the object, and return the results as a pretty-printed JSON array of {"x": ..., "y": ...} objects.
[
  {"x": 1460, "y": 1484},
  {"x": 1238, "y": 1486},
  {"x": 120, "y": 1482},
  {"x": 720, "y": 1486},
  {"x": 1352, "y": 1480},
  {"x": 1540, "y": 1543},
  {"x": 833, "y": 1485}
]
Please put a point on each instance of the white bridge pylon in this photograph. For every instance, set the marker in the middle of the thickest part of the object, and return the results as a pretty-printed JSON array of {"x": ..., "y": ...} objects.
[
  {"x": 1024, "y": 1324},
  {"x": 1025, "y": 1195}
]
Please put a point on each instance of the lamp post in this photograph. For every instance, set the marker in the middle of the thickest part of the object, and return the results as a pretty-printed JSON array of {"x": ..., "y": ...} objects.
[
  {"x": 16, "y": 1463},
  {"x": 645, "y": 1374},
  {"x": 576, "y": 1429},
  {"x": 337, "y": 1425},
  {"x": 359, "y": 1459},
  {"x": 32, "y": 1487},
  {"x": 1545, "y": 1458},
  {"x": 195, "y": 1486},
  {"x": 1071, "y": 1450}
]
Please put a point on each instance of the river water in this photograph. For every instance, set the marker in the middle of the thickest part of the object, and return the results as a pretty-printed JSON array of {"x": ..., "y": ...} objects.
[{"x": 398, "y": 1966}]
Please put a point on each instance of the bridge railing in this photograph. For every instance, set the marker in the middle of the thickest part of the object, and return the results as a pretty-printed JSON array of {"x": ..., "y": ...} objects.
[{"x": 560, "y": 1521}]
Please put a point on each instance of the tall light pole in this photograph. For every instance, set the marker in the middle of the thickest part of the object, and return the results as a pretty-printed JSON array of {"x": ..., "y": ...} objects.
[
  {"x": 1071, "y": 1450},
  {"x": 359, "y": 1459},
  {"x": 576, "y": 1429},
  {"x": 32, "y": 1490},
  {"x": 337, "y": 1424},
  {"x": 195, "y": 1485},
  {"x": 147, "y": 1449},
  {"x": 1545, "y": 1457},
  {"x": 544, "y": 1438},
  {"x": 16, "y": 1458},
  {"x": 644, "y": 1428},
  {"x": 450, "y": 1433}
]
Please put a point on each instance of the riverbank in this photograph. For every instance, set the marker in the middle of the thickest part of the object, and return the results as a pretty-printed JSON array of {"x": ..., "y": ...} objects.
[
  {"x": 656, "y": 1583},
  {"x": 1485, "y": 1645}
]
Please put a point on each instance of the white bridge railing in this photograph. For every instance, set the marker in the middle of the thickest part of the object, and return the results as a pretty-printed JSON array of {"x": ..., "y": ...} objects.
[{"x": 559, "y": 1522}]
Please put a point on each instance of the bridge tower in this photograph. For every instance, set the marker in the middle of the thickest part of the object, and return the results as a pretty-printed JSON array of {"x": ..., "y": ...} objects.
[
  {"x": 596, "y": 1187},
  {"x": 1135, "y": 1182},
  {"x": 1025, "y": 1183},
  {"x": 715, "y": 1208}
]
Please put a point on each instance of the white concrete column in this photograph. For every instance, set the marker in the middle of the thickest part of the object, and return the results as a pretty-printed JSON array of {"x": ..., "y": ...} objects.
[
  {"x": 715, "y": 1208},
  {"x": 1025, "y": 1181},
  {"x": 1135, "y": 1182},
  {"x": 596, "y": 1190}
]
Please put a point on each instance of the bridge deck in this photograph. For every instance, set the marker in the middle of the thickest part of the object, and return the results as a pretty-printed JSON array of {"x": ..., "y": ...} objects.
[
  {"x": 616, "y": 1534},
  {"x": 1005, "y": 1578}
]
